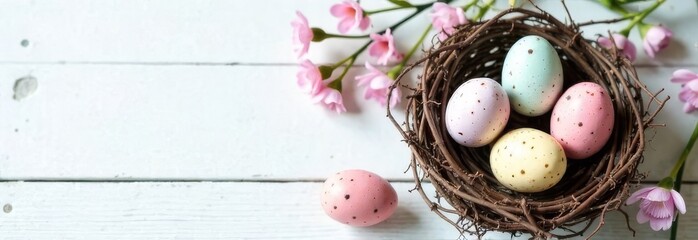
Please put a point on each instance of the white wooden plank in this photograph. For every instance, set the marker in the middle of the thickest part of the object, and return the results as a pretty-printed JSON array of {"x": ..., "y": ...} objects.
[
  {"x": 216, "y": 122},
  {"x": 233, "y": 211},
  {"x": 97, "y": 122},
  {"x": 218, "y": 31}
]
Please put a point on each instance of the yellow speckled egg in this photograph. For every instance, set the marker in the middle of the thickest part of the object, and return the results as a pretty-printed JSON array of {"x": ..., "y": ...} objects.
[{"x": 528, "y": 160}]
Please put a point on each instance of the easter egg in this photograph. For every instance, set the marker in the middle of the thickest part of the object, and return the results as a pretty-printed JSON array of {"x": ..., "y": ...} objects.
[
  {"x": 528, "y": 160},
  {"x": 532, "y": 76},
  {"x": 477, "y": 112},
  {"x": 582, "y": 120},
  {"x": 358, "y": 198}
]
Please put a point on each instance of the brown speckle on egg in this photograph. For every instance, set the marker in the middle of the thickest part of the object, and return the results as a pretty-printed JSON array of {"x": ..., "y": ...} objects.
[
  {"x": 513, "y": 86},
  {"x": 346, "y": 197},
  {"x": 353, "y": 217},
  {"x": 530, "y": 51},
  {"x": 460, "y": 133},
  {"x": 580, "y": 124},
  {"x": 335, "y": 207},
  {"x": 523, "y": 172},
  {"x": 546, "y": 165},
  {"x": 568, "y": 97},
  {"x": 375, "y": 210}
]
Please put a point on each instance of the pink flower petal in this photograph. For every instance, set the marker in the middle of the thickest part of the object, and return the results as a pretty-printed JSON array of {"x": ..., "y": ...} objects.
[
  {"x": 649, "y": 50},
  {"x": 688, "y": 107},
  {"x": 683, "y": 76},
  {"x": 365, "y": 23},
  {"x": 640, "y": 194},
  {"x": 394, "y": 97},
  {"x": 345, "y": 25},
  {"x": 338, "y": 10},
  {"x": 302, "y": 35},
  {"x": 678, "y": 201},
  {"x": 604, "y": 42},
  {"x": 692, "y": 85},
  {"x": 660, "y": 224},
  {"x": 658, "y": 209},
  {"x": 658, "y": 194},
  {"x": 642, "y": 217}
]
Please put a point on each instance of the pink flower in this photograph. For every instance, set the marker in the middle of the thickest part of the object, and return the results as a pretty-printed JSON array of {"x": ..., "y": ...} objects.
[
  {"x": 351, "y": 15},
  {"x": 302, "y": 35},
  {"x": 658, "y": 206},
  {"x": 689, "y": 90},
  {"x": 656, "y": 39},
  {"x": 445, "y": 18},
  {"x": 622, "y": 43},
  {"x": 330, "y": 98},
  {"x": 309, "y": 78},
  {"x": 383, "y": 47},
  {"x": 377, "y": 86}
]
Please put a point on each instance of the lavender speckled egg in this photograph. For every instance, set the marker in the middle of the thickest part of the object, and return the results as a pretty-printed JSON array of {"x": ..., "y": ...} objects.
[
  {"x": 358, "y": 198},
  {"x": 582, "y": 120},
  {"x": 532, "y": 76},
  {"x": 477, "y": 112},
  {"x": 528, "y": 160}
]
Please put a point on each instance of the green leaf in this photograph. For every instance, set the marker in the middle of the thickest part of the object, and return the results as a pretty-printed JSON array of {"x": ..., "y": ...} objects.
[{"x": 401, "y": 3}]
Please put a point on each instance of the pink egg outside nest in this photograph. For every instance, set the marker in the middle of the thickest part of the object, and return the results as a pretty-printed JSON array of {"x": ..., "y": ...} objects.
[{"x": 358, "y": 198}]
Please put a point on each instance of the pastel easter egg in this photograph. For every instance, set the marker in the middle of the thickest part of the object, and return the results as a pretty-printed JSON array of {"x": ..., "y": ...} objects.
[
  {"x": 528, "y": 160},
  {"x": 358, "y": 198},
  {"x": 582, "y": 120},
  {"x": 477, "y": 112},
  {"x": 532, "y": 76}
]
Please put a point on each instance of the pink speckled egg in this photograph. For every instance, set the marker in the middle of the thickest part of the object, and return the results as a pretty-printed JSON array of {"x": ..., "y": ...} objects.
[
  {"x": 358, "y": 198},
  {"x": 477, "y": 112},
  {"x": 582, "y": 120}
]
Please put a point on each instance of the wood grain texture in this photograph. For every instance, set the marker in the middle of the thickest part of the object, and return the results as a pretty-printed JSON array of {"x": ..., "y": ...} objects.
[
  {"x": 219, "y": 122},
  {"x": 220, "y": 31},
  {"x": 219, "y": 210}
]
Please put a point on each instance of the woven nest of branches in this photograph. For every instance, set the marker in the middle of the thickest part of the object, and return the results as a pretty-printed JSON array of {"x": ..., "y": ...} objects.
[{"x": 462, "y": 176}]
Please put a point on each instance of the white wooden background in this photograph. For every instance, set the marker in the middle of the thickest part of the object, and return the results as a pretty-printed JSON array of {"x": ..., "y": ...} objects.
[{"x": 167, "y": 119}]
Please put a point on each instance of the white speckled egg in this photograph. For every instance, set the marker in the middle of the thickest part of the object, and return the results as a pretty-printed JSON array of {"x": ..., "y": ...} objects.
[
  {"x": 582, "y": 120},
  {"x": 358, "y": 198},
  {"x": 477, "y": 112},
  {"x": 528, "y": 160},
  {"x": 532, "y": 76}
]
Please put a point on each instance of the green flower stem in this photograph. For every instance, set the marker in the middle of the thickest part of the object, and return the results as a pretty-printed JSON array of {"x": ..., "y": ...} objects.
[
  {"x": 396, "y": 8},
  {"x": 483, "y": 10},
  {"x": 398, "y": 68},
  {"x": 470, "y": 4},
  {"x": 675, "y": 226},
  {"x": 386, "y": 10},
  {"x": 677, "y": 174},
  {"x": 330, "y": 35},
  {"x": 684, "y": 154},
  {"x": 640, "y": 17},
  {"x": 613, "y": 6}
]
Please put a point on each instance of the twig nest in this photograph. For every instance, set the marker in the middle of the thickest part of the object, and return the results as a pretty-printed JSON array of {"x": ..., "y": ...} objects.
[{"x": 462, "y": 174}]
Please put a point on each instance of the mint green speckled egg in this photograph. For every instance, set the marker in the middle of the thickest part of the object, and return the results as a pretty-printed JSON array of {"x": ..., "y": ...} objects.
[{"x": 532, "y": 76}]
